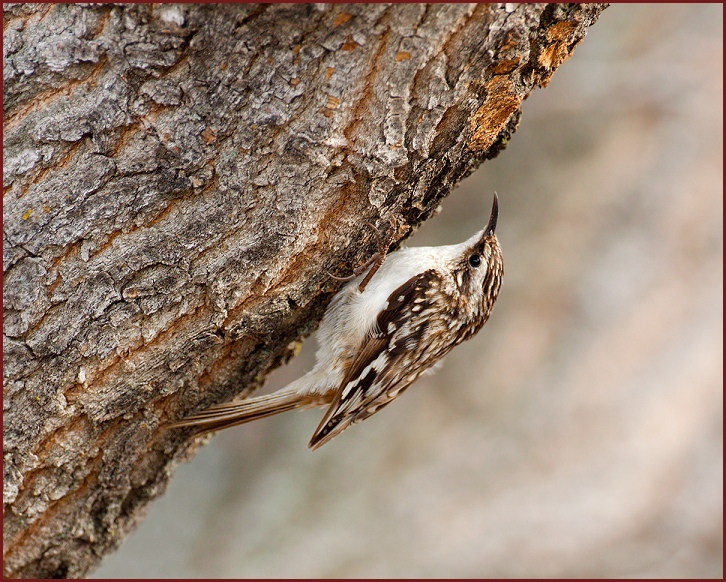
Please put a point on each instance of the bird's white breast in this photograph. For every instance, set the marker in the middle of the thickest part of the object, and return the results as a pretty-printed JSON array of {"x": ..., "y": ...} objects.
[{"x": 354, "y": 313}]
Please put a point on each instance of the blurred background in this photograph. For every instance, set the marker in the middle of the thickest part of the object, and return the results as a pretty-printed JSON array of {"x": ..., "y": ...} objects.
[{"x": 580, "y": 434}]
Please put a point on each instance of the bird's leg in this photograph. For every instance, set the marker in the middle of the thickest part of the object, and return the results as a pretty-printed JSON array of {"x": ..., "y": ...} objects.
[{"x": 375, "y": 261}]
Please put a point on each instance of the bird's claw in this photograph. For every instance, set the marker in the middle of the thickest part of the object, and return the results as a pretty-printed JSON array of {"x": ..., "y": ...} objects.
[
  {"x": 375, "y": 262},
  {"x": 344, "y": 279}
]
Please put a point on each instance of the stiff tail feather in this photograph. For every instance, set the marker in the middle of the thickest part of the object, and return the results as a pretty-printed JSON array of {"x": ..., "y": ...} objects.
[{"x": 233, "y": 413}]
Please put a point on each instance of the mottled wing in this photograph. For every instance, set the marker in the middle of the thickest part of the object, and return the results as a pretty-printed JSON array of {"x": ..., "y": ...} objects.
[{"x": 388, "y": 361}]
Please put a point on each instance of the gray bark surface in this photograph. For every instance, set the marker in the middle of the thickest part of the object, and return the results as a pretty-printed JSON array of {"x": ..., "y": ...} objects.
[{"x": 178, "y": 182}]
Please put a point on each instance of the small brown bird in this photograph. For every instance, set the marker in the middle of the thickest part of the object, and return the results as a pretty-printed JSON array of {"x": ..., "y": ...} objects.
[{"x": 381, "y": 332}]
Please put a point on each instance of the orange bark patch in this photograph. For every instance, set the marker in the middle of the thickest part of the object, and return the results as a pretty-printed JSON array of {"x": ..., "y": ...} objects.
[
  {"x": 209, "y": 136},
  {"x": 349, "y": 46},
  {"x": 491, "y": 118},
  {"x": 342, "y": 18},
  {"x": 402, "y": 56},
  {"x": 507, "y": 66},
  {"x": 509, "y": 42},
  {"x": 332, "y": 103},
  {"x": 560, "y": 35}
]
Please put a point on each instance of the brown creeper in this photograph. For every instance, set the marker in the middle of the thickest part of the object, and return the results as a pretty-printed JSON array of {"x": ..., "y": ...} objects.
[{"x": 381, "y": 332}]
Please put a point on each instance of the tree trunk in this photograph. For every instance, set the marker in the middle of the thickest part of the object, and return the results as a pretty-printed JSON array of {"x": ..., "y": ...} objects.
[{"x": 178, "y": 182}]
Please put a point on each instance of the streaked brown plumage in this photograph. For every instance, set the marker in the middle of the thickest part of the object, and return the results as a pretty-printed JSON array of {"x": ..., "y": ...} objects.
[{"x": 381, "y": 332}]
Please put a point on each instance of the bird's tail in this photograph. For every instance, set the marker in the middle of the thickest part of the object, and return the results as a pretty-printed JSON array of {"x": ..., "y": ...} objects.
[{"x": 233, "y": 413}]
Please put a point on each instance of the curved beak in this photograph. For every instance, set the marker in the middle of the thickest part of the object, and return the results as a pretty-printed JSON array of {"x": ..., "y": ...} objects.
[{"x": 491, "y": 227}]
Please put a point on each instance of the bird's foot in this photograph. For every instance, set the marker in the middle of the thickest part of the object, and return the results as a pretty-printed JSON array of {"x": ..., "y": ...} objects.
[{"x": 375, "y": 262}]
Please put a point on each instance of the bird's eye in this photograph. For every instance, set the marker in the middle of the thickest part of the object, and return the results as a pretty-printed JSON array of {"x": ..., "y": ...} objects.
[{"x": 475, "y": 260}]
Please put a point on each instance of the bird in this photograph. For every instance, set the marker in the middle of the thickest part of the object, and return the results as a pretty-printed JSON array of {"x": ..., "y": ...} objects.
[{"x": 381, "y": 331}]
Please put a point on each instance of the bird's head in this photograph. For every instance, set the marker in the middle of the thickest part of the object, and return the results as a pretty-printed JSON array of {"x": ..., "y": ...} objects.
[{"x": 479, "y": 269}]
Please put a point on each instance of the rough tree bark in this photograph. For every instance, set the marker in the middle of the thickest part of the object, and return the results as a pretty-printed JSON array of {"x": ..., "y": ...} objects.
[{"x": 178, "y": 181}]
